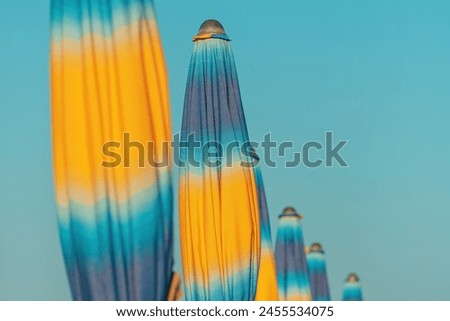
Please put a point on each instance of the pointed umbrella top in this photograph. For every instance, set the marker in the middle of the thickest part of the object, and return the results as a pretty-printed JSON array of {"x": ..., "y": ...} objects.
[{"x": 211, "y": 29}]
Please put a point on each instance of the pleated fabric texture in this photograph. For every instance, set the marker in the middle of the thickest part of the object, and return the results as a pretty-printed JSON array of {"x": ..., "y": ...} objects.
[
  {"x": 352, "y": 292},
  {"x": 317, "y": 271},
  {"x": 224, "y": 230},
  {"x": 267, "y": 288},
  {"x": 292, "y": 273},
  {"x": 109, "y": 80}
]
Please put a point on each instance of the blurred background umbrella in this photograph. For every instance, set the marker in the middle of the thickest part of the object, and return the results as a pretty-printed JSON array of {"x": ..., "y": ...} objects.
[
  {"x": 352, "y": 288},
  {"x": 224, "y": 231},
  {"x": 292, "y": 273},
  {"x": 317, "y": 272},
  {"x": 108, "y": 78}
]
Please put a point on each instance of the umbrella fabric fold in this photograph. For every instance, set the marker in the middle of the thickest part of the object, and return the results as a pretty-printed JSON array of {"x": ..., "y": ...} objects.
[
  {"x": 175, "y": 292},
  {"x": 292, "y": 273},
  {"x": 267, "y": 288},
  {"x": 317, "y": 272},
  {"x": 223, "y": 219},
  {"x": 109, "y": 95},
  {"x": 352, "y": 289}
]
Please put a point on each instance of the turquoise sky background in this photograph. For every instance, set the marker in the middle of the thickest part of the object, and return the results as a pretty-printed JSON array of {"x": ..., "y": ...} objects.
[{"x": 376, "y": 73}]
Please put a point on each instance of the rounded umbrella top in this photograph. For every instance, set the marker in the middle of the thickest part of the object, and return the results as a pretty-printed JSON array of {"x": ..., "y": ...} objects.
[
  {"x": 211, "y": 29},
  {"x": 352, "y": 278},
  {"x": 290, "y": 211},
  {"x": 316, "y": 247},
  {"x": 210, "y": 26}
]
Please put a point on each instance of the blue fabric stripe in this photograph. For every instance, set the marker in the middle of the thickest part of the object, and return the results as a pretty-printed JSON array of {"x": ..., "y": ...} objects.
[
  {"x": 317, "y": 271},
  {"x": 119, "y": 253},
  {"x": 75, "y": 18},
  {"x": 352, "y": 292}
]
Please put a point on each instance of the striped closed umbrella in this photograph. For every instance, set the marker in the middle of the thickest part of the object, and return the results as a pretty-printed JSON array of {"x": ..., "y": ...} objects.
[
  {"x": 292, "y": 272},
  {"x": 352, "y": 288},
  {"x": 110, "y": 98},
  {"x": 224, "y": 227},
  {"x": 317, "y": 272}
]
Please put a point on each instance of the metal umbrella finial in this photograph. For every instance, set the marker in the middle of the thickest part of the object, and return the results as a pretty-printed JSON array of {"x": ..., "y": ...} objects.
[
  {"x": 316, "y": 247},
  {"x": 211, "y": 26},
  {"x": 353, "y": 278},
  {"x": 290, "y": 211}
]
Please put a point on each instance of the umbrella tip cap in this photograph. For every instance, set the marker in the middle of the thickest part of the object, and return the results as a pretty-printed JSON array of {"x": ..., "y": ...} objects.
[
  {"x": 211, "y": 26},
  {"x": 352, "y": 278},
  {"x": 316, "y": 247},
  {"x": 291, "y": 211}
]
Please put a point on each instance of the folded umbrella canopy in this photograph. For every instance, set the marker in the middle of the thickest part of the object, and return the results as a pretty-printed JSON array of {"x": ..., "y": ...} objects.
[
  {"x": 267, "y": 288},
  {"x": 224, "y": 225},
  {"x": 317, "y": 272},
  {"x": 292, "y": 273},
  {"x": 352, "y": 288},
  {"x": 109, "y": 98}
]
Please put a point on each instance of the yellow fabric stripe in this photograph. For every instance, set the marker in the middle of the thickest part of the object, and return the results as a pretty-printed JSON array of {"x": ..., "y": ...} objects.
[{"x": 95, "y": 82}]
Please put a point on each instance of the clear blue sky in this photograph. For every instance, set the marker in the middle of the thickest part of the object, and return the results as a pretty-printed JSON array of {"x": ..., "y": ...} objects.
[{"x": 375, "y": 72}]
